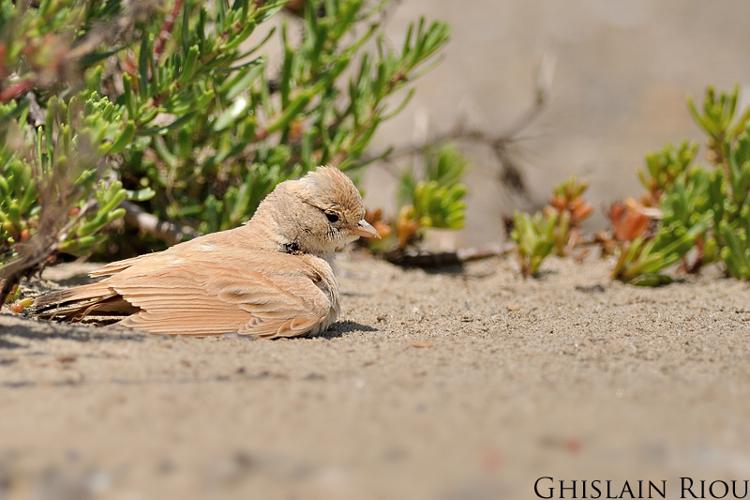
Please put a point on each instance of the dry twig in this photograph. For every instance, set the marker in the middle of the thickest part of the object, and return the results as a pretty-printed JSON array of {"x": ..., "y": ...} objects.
[
  {"x": 510, "y": 173},
  {"x": 166, "y": 231}
]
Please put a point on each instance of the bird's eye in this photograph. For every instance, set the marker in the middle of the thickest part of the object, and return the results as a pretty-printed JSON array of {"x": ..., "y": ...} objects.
[{"x": 332, "y": 217}]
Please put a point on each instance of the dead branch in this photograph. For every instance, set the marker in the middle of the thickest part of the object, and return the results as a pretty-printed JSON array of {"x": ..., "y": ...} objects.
[
  {"x": 428, "y": 260},
  {"x": 36, "y": 113},
  {"x": 485, "y": 252},
  {"x": 166, "y": 231},
  {"x": 432, "y": 260},
  {"x": 16, "y": 89},
  {"x": 166, "y": 29},
  {"x": 510, "y": 173}
]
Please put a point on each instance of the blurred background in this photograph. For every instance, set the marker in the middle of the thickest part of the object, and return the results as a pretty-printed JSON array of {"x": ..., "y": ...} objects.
[{"x": 622, "y": 74}]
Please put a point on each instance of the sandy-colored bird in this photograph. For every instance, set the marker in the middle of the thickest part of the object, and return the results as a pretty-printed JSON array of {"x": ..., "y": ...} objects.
[{"x": 271, "y": 277}]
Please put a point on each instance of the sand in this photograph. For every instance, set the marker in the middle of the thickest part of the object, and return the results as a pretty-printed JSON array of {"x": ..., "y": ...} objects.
[{"x": 467, "y": 384}]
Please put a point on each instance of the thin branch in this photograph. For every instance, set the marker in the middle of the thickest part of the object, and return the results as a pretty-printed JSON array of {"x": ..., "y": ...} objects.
[
  {"x": 426, "y": 260},
  {"x": 509, "y": 171},
  {"x": 166, "y": 29},
  {"x": 36, "y": 113},
  {"x": 166, "y": 231},
  {"x": 16, "y": 89},
  {"x": 485, "y": 252},
  {"x": 498, "y": 143}
]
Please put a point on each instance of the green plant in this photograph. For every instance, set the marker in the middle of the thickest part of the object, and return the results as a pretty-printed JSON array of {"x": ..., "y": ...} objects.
[
  {"x": 433, "y": 200},
  {"x": 234, "y": 129},
  {"x": 437, "y": 200},
  {"x": 664, "y": 167},
  {"x": 182, "y": 109},
  {"x": 55, "y": 168},
  {"x": 703, "y": 210},
  {"x": 556, "y": 228},
  {"x": 731, "y": 209},
  {"x": 717, "y": 117},
  {"x": 686, "y": 217},
  {"x": 534, "y": 236},
  {"x": 570, "y": 209}
]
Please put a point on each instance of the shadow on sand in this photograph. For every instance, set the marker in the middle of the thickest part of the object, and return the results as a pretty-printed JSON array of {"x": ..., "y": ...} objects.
[
  {"x": 17, "y": 328},
  {"x": 342, "y": 328}
]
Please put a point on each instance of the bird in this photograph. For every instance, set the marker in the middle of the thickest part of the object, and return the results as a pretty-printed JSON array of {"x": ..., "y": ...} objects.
[{"x": 272, "y": 277}]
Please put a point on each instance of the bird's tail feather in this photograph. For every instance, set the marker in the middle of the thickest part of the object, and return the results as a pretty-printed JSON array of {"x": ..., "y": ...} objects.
[{"x": 85, "y": 300}]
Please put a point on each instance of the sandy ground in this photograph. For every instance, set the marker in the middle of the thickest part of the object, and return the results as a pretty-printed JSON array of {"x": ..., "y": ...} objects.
[{"x": 463, "y": 385}]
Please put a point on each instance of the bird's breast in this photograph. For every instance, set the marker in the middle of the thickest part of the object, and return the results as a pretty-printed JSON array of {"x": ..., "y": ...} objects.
[{"x": 324, "y": 278}]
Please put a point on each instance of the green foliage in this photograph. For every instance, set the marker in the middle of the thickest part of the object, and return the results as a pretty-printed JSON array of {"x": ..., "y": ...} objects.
[
  {"x": 534, "y": 236},
  {"x": 432, "y": 200},
  {"x": 732, "y": 209},
  {"x": 438, "y": 198},
  {"x": 17, "y": 200},
  {"x": 216, "y": 131},
  {"x": 665, "y": 166},
  {"x": 54, "y": 168},
  {"x": 706, "y": 211},
  {"x": 185, "y": 113},
  {"x": 569, "y": 189},
  {"x": 736, "y": 250},
  {"x": 555, "y": 228},
  {"x": 717, "y": 119},
  {"x": 686, "y": 217}
]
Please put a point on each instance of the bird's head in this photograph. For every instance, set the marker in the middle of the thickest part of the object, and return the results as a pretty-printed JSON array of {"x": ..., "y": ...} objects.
[{"x": 319, "y": 213}]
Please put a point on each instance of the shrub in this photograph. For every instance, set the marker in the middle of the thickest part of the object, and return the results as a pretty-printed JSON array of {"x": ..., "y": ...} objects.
[
  {"x": 181, "y": 111},
  {"x": 703, "y": 210}
]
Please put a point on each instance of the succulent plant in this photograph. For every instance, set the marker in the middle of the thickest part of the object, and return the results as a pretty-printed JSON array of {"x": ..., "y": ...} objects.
[
  {"x": 175, "y": 107},
  {"x": 701, "y": 209}
]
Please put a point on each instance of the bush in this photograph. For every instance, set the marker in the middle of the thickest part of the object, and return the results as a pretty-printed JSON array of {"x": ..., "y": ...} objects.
[
  {"x": 181, "y": 111},
  {"x": 703, "y": 210}
]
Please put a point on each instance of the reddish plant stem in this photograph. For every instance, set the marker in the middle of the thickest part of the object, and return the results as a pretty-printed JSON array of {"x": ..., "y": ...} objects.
[
  {"x": 16, "y": 89},
  {"x": 166, "y": 29}
]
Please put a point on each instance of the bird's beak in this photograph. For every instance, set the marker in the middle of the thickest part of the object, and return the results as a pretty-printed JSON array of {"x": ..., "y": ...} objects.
[{"x": 366, "y": 230}]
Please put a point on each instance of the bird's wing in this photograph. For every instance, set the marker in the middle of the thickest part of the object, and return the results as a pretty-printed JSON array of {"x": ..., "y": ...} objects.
[
  {"x": 155, "y": 258},
  {"x": 225, "y": 296},
  {"x": 117, "y": 266}
]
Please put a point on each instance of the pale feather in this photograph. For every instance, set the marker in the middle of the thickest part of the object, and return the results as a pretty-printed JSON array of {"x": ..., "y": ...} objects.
[
  {"x": 215, "y": 300},
  {"x": 267, "y": 294},
  {"x": 242, "y": 280}
]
